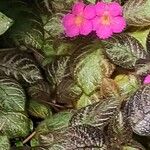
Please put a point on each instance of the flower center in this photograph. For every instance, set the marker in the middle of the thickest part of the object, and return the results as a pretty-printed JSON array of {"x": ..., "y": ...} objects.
[
  {"x": 105, "y": 19},
  {"x": 79, "y": 20}
]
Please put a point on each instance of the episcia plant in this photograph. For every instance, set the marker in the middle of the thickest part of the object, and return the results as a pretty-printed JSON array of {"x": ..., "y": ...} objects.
[{"x": 75, "y": 75}]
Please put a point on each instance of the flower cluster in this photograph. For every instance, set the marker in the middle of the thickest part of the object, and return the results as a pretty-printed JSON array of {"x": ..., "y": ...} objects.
[
  {"x": 103, "y": 18},
  {"x": 147, "y": 79}
]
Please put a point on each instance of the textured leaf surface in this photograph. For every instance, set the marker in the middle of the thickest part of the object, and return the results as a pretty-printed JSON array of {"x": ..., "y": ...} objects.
[
  {"x": 98, "y": 114},
  {"x": 124, "y": 50},
  {"x": 142, "y": 67},
  {"x": 109, "y": 89},
  {"x": 89, "y": 66},
  {"x": 19, "y": 65},
  {"x": 12, "y": 96},
  {"x": 39, "y": 110},
  {"x": 119, "y": 131},
  {"x": 15, "y": 124},
  {"x": 5, "y": 23},
  {"x": 4, "y": 143},
  {"x": 136, "y": 12},
  {"x": 79, "y": 137},
  {"x": 52, "y": 123},
  {"x": 128, "y": 84},
  {"x": 40, "y": 91},
  {"x": 56, "y": 70},
  {"x": 138, "y": 111},
  {"x": 148, "y": 43},
  {"x": 68, "y": 91}
]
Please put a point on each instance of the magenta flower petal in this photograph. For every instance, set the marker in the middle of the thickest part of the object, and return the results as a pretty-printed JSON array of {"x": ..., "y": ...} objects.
[
  {"x": 86, "y": 28},
  {"x": 78, "y": 8},
  {"x": 72, "y": 31},
  {"x": 96, "y": 23},
  {"x": 118, "y": 24},
  {"x": 100, "y": 8},
  {"x": 89, "y": 12},
  {"x": 104, "y": 32},
  {"x": 115, "y": 9},
  {"x": 68, "y": 20},
  {"x": 147, "y": 79}
]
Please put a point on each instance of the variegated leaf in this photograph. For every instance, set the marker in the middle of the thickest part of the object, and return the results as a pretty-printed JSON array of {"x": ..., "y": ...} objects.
[
  {"x": 138, "y": 111},
  {"x": 119, "y": 131},
  {"x": 5, "y": 23},
  {"x": 98, "y": 114},
  {"x": 56, "y": 70},
  {"x": 89, "y": 66},
  {"x": 124, "y": 50},
  {"x": 12, "y": 95},
  {"x": 76, "y": 138},
  {"x": 68, "y": 91},
  {"x": 136, "y": 12},
  {"x": 40, "y": 91},
  {"x": 4, "y": 142},
  {"x": 20, "y": 66}
]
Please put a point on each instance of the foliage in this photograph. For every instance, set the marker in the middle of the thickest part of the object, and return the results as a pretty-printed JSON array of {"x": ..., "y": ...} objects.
[{"x": 59, "y": 93}]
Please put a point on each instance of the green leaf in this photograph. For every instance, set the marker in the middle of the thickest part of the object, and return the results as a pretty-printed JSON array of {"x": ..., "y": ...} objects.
[
  {"x": 137, "y": 110},
  {"x": 56, "y": 122},
  {"x": 61, "y": 5},
  {"x": 5, "y": 23},
  {"x": 19, "y": 65},
  {"x": 39, "y": 110},
  {"x": 140, "y": 34},
  {"x": 4, "y": 143},
  {"x": 136, "y": 12},
  {"x": 88, "y": 66},
  {"x": 128, "y": 84},
  {"x": 98, "y": 114},
  {"x": 53, "y": 25},
  {"x": 51, "y": 124},
  {"x": 14, "y": 124},
  {"x": 78, "y": 137},
  {"x": 12, "y": 96},
  {"x": 124, "y": 50}
]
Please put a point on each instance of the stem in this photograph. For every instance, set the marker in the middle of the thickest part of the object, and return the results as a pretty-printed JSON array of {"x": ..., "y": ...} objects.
[{"x": 29, "y": 137}]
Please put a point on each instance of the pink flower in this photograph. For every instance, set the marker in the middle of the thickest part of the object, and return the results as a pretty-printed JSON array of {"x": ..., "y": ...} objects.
[
  {"x": 147, "y": 79},
  {"x": 108, "y": 19},
  {"x": 79, "y": 20}
]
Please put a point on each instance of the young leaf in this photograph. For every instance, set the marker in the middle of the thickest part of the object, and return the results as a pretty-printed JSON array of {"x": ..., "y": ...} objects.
[
  {"x": 4, "y": 142},
  {"x": 12, "y": 96},
  {"x": 98, "y": 114},
  {"x": 15, "y": 124},
  {"x": 5, "y": 23},
  {"x": 137, "y": 110},
  {"x": 136, "y": 12},
  {"x": 78, "y": 137},
  {"x": 124, "y": 50},
  {"x": 128, "y": 84},
  {"x": 19, "y": 65}
]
